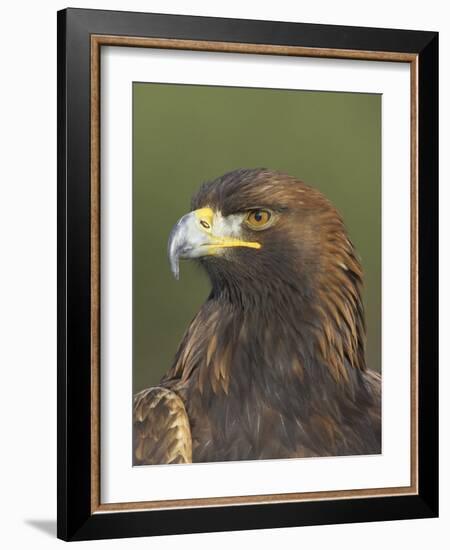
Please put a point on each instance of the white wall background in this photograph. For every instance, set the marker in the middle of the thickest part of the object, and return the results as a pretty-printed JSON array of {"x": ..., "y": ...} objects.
[{"x": 28, "y": 271}]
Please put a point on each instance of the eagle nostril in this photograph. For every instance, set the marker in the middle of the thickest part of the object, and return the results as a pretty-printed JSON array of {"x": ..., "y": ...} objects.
[{"x": 205, "y": 224}]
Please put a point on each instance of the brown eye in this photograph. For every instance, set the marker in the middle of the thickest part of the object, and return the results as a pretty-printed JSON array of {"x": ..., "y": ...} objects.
[{"x": 258, "y": 219}]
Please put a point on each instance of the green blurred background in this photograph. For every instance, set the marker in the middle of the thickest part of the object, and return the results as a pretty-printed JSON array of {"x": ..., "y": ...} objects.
[{"x": 184, "y": 135}]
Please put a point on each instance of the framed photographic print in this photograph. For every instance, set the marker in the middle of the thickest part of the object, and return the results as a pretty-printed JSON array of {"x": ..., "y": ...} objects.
[{"x": 247, "y": 254}]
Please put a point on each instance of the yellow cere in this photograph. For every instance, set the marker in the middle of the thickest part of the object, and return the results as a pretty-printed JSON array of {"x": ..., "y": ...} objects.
[{"x": 205, "y": 217}]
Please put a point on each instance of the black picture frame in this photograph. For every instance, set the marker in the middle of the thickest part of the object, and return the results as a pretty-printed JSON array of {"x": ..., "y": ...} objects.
[{"x": 76, "y": 521}]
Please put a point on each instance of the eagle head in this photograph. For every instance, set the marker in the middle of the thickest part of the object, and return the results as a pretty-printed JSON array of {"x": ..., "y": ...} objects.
[{"x": 262, "y": 234}]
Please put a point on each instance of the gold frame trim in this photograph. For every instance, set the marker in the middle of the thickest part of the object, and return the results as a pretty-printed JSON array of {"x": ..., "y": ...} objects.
[{"x": 97, "y": 41}]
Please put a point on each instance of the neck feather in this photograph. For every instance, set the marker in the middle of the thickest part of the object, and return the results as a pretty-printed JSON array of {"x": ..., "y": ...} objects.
[{"x": 287, "y": 336}]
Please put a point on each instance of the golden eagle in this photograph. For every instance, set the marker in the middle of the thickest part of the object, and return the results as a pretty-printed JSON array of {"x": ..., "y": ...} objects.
[{"x": 273, "y": 364}]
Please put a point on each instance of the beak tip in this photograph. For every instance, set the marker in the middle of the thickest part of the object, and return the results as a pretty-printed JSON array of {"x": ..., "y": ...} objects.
[
  {"x": 174, "y": 268},
  {"x": 172, "y": 253}
]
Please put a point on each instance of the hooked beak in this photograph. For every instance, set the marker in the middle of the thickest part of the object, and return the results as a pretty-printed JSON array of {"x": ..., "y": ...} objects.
[{"x": 193, "y": 237}]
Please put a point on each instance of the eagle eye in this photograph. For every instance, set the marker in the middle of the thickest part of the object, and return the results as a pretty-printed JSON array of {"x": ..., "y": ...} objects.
[{"x": 258, "y": 218}]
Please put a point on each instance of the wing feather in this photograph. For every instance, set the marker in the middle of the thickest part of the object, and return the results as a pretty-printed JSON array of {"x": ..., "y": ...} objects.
[{"x": 161, "y": 430}]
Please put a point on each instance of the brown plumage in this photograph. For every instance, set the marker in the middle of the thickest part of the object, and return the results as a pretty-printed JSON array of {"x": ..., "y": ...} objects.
[{"x": 273, "y": 364}]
